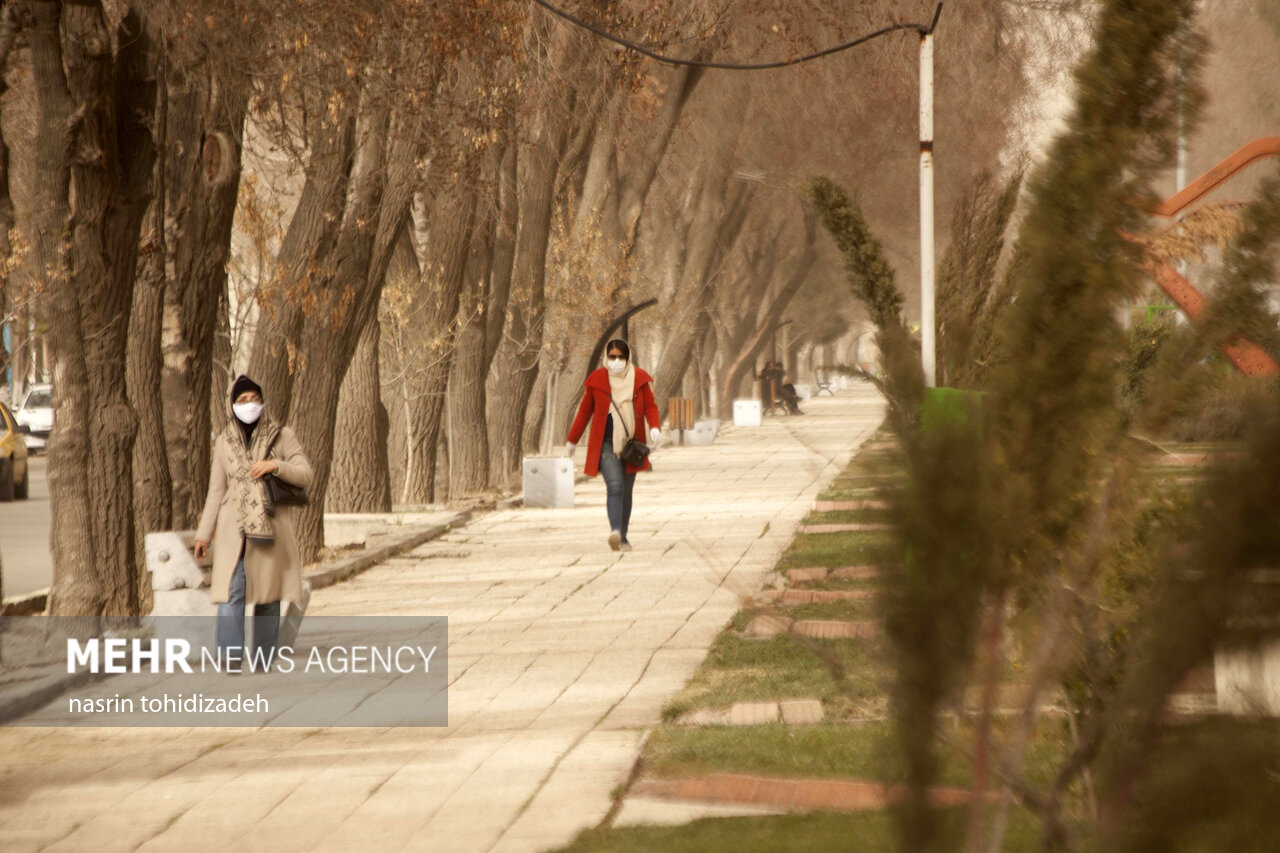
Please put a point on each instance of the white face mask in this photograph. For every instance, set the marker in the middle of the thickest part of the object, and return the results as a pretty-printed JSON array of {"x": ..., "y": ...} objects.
[
  {"x": 247, "y": 413},
  {"x": 617, "y": 365}
]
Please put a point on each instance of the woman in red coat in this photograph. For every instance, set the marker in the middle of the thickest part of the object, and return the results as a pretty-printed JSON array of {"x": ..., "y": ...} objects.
[{"x": 618, "y": 402}]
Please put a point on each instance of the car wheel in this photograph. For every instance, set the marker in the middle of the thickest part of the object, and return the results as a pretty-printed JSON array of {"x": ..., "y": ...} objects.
[
  {"x": 6, "y": 479},
  {"x": 24, "y": 488}
]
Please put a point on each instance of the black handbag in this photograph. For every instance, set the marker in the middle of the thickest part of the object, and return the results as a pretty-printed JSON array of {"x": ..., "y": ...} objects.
[
  {"x": 633, "y": 452},
  {"x": 280, "y": 493}
]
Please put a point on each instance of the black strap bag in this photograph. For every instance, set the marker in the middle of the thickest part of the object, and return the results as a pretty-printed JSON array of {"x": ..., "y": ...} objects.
[
  {"x": 280, "y": 493},
  {"x": 633, "y": 452}
]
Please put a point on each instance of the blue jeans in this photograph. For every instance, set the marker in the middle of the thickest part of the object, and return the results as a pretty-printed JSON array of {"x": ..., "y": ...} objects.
[
  {"x": 266, "y": 625},
  {"x": 618, "y": 487}
]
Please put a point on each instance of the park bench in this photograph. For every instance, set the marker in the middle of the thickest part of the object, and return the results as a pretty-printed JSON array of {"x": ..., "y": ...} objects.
[{"x": 771, "y": 400}]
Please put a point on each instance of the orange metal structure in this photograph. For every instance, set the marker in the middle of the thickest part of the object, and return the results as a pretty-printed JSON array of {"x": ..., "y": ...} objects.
[
  {"x": 1249, "y": 358},
  {"x": 1218, "y": 175}
]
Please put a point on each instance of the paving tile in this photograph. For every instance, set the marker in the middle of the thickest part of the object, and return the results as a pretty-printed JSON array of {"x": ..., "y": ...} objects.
[
  {"x": 856, "y": 573},
  {"x": 848, "y": 506},
  {"x": 801, "y": 712},
  {"x": 834, "y": 629},
  {"x": 752, "y": 713},
  {"x": 841, "y": 528},
  {"x": 810, "y": 596},
  {"x": 649, "y": 811},
  {"x": 705, "y": 717},
  {"x": 808, "y": 575},
  {"x": 768, "y": 625}
]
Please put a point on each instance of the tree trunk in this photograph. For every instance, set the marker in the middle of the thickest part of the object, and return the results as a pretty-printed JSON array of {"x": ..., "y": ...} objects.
[
  {"x": 360, "y": 466},
  {"x": 531, "y": 438},
  {"x": 8, "y": 34},
  {"x": 504, "y": 248},
  {"x": 516, "y": 368},
  {"x": 379, "y": 189},
  {"x": 87, "y": 256},
  {"x": 152, "y": 486},
  {"x": 111, "y": 199},
  {"x": 468, "y": 437},
  {"x": 197, "y": 243},
  {"x": 443, "y": 276},
  {"x": 219, "y": 400},
  {"x": 75, "y": 597},
  {"x": 704, "y": 358},
  {"x": 313, "y": 234},
  {"x": 480, "y": 339}
]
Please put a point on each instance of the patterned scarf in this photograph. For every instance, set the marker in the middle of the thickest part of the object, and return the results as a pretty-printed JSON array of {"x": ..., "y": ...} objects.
[{"x": 248, "y": 496}]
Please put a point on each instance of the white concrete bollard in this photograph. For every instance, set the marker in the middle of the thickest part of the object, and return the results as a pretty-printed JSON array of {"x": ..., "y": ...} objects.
[
  {"x": 180, "y": 607},
  {"x": 171, "y": 562},
  {"x": 747, "y": 413},
  {"x": 703, "y": 433},
  {"x": 1247, "y": 681},
  {"x": 548, "y": 481}
]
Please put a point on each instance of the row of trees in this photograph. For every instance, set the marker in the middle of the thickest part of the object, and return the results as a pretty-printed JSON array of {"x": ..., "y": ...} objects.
[{"x": 410, "y": 222}]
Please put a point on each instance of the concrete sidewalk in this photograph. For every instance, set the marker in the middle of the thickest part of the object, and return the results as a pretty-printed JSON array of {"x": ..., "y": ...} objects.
[{"x": 562, "y": 653}]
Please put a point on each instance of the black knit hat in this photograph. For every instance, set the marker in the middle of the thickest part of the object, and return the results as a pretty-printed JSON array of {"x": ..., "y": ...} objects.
[{"x": 244, "y": 383}]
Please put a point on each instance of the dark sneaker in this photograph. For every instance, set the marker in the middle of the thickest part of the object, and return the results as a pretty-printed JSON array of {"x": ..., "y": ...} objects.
[{"x": 615, "y": 540}]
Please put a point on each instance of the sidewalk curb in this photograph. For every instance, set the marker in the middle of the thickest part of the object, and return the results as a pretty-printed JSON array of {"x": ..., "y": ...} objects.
[
  {"x": 30, "y": 697},
  {"x": 25, "y": 605},
  {"x": 349, "y": 567}
]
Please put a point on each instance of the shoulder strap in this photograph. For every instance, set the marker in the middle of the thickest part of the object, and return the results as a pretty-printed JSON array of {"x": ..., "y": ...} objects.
[
  {"x": 619, "y": 411},
  {"x": 274, "y": 429}
]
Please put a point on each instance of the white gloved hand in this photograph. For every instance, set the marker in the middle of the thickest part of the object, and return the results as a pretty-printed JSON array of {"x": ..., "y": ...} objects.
[
  {"x": 569, "y": 447},
  {"x": 655, "y": 436}
]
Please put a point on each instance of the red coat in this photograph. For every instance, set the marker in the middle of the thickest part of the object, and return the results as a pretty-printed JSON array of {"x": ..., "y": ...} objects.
[{"x": 596, "y": 407}]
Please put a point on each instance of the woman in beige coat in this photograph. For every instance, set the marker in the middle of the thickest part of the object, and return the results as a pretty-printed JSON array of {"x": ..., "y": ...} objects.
[{"x": 255, "y": 554}]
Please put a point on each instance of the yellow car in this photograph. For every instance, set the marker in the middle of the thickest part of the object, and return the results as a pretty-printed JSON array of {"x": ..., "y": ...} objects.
[{"x": 14, "y": 475}]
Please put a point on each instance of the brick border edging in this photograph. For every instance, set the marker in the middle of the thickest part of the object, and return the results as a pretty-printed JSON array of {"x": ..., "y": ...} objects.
[
  {"x": 786, "y": 793},
  {"x": 35, "y": 695}
]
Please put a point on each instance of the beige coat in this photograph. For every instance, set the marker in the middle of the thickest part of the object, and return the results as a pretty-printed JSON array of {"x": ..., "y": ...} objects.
[{"x": 271, "y": 572}]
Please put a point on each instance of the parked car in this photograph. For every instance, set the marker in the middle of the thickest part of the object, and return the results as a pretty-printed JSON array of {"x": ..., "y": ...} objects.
[
  {"x": 14, "y": 476},
  {"x": 36, "y": 414}
]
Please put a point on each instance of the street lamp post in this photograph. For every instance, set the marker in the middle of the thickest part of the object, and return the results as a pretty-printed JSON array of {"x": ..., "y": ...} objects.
[{"x": 928, "y": 313}]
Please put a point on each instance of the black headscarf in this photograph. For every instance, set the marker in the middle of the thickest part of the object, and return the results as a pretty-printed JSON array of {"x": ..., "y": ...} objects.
[{"x": 244, "y": 383}]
